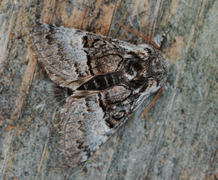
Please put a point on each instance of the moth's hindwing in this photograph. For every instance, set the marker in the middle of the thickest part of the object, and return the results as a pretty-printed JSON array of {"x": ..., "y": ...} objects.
[{"x": 99, "y": 82}]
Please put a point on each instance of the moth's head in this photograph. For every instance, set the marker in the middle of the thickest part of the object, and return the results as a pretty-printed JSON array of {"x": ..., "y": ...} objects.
[{"x": 151, "y": 65}]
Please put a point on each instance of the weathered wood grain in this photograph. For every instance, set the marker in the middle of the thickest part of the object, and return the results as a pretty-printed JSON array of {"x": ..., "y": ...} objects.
[{"x": 176, "y": 139}]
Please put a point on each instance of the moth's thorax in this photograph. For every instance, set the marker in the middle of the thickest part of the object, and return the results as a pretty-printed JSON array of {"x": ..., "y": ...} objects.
[{"x": 146, "y": 64}]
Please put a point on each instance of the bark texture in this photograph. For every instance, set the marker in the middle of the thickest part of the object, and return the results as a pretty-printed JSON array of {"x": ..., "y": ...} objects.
[{"x": 176, "y": 139}]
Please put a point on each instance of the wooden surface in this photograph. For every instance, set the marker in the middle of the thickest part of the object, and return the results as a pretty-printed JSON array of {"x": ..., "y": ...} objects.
[{"x": 176, "y": 139}]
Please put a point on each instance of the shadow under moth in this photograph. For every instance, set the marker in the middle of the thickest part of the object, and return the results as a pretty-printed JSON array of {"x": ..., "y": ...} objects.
[{"x": 99, "y": 83}]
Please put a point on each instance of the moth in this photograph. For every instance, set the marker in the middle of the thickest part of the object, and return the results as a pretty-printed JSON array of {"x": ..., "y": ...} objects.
[{"x": 99, "y": 83}]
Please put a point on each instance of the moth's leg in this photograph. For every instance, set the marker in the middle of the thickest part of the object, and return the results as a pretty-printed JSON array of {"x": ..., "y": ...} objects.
[
  {"x": 153, "y": 101},
  {"x": 158, "y": 39},
  {"x": 171, "y": 86}
]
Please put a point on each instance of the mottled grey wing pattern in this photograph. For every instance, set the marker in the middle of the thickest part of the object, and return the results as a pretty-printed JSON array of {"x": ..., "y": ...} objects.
[
  {"x": 99, "y": 82},
  {"x": 88, "y": 122},
  {"x": 59, "y": 51}
]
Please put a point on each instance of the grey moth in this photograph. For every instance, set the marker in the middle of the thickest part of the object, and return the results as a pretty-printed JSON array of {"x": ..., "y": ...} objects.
[{"x": 99, "y": 83}]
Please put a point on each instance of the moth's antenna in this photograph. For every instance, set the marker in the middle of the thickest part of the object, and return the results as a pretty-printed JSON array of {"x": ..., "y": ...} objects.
[
  {"x": 153, "y": 101},
  {"x": 149, "y": 41}
]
